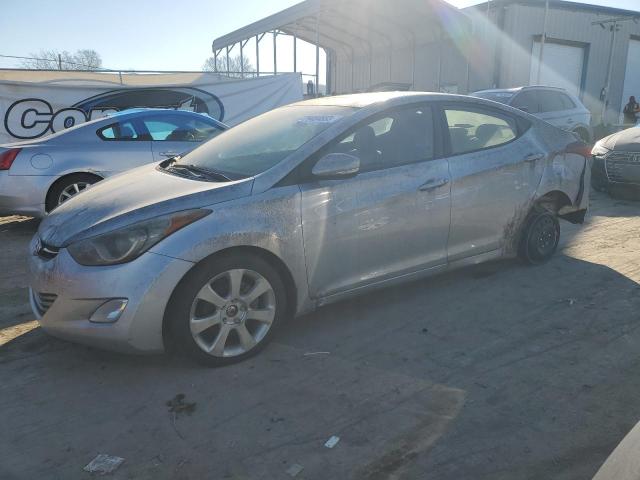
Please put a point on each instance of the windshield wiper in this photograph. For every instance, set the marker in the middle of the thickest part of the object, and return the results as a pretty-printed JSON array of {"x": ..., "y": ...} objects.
[{"x": 198, "y": 172}]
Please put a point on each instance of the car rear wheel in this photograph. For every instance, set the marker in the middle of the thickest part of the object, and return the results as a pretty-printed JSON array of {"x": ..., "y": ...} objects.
[
  {"x": 540, "y": 238},
  {"x": 68, "y": 187},
  {"x": 227, "y": 309}
]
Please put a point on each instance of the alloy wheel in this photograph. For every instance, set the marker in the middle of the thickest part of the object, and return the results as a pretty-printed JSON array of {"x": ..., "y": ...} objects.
[
  {"x": 71, "y": 191},
  {"x": 232, "y": 313}
]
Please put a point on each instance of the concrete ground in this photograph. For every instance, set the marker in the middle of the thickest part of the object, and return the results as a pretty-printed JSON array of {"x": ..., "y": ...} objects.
[{"x": 500, "y": 371}]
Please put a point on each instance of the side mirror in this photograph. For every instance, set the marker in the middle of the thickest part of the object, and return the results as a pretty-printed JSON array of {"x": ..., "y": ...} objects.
[{"x": 336, "y": 165}]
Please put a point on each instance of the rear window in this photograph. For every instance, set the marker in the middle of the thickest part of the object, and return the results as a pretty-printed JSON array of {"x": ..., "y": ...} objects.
[{"x": 472, "y": 130}]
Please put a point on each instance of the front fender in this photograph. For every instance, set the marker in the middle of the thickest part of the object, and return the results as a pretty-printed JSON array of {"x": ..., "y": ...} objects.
[{"x": 270, "y": 221}]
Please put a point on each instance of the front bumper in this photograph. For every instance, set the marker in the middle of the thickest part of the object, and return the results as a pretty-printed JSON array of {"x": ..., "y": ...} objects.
[
  {"x": 65, "y": 294},
  {"x": 23, "y": 194}
]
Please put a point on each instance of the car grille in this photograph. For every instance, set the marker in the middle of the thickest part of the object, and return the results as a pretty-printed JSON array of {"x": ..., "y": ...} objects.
[
  {"x": 43, "y": 301},
  {"x": 616, "y": 162}
]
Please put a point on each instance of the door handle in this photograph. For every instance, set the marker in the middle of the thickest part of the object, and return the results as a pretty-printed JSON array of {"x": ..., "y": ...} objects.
[
  {"x": 534, "y": 157},
  {"x": 168, "y": 154},
  {"x": 433, "y": 183}
]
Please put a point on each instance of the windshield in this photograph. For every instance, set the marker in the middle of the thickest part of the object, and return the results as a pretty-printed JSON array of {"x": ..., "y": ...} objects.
[
  {"x": 262, "y": 142},
  {"x": 502, "y": 97}
]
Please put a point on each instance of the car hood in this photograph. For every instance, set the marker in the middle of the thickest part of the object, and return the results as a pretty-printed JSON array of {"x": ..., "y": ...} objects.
[
  {"x": 625, "y": 141},
  {"x": 131, "y": 197}
]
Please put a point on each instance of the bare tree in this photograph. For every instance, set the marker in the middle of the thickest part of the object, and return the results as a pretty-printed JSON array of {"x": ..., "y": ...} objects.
[
  {"x": 52, "y": 60},
  {"x": 235, "y": 65}
]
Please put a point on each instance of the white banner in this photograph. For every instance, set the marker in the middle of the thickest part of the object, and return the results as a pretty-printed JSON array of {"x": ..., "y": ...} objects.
[{"x": 36, "y": 103}]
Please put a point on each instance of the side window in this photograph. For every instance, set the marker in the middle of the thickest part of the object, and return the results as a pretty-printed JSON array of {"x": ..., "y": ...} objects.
[
  {"x": 471, "y": 130},
  {"x": 550, "y": 102},
  {"x": 527, "y": 101},
  {"x": 123, "y": 131},
  {"x": 179, "y": 129},
  {"x": 398, "y": 137}
]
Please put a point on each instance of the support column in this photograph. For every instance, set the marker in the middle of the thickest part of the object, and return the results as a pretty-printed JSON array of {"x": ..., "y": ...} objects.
[
  {"x": 317, "y": 54},
  {"x": 275, "y": 67},
  {"x": 295, "y": 53},
  {"x": 257, "y": 56},
  {"x": 241, "y": 59}
]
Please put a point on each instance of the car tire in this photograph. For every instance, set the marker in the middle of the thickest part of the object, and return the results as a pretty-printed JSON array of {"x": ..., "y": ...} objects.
[
  {"x": 66, "y": 186},
  {"x": 213, "y": 328},
  {"x": 540, "y": 238}
]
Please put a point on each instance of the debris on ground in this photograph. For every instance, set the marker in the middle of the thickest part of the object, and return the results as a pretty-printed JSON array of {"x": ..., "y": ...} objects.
[
  {"x": 332, "y": 442},
  {"x": 104, "y": 464},
  {"x": 571, "y": 301},
  {"x": 310, "y": 354},
  {"x": 177, "y": 405},
  {"x": 294, "y": 469}
]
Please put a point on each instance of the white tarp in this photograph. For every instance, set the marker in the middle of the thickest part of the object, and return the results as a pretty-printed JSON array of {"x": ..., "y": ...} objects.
[{"x": 37, "y": 103}]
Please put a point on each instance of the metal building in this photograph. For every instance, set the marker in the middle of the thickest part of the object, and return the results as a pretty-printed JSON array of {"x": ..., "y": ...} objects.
[
  {"x": 585, "y": 48},
  {"x": 430, "y": 45}
]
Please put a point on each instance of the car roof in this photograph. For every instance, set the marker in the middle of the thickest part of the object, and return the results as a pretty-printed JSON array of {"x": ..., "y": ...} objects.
[
  {"x": 519, "y": 89},
  {"x": 360, "y": 100}
]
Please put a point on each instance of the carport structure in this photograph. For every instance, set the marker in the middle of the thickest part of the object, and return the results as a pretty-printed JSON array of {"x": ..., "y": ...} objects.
[{"x": 413, "y": 44}]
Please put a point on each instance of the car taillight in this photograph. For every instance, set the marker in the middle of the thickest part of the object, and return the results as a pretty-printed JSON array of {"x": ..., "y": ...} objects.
[
  {"x": 579, "y": 148},
  {"x": 7, "y": 158}
]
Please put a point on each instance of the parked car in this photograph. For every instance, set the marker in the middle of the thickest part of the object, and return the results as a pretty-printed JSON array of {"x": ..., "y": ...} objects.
[
  {"x": 38, "y": 175},
  {"x": 296, "y": 208},
  {"x": 554, "y": 105},
  {"x": 616, "y": 162}
]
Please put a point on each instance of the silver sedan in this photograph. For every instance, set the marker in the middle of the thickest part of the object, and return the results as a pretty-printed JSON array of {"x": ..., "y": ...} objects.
[
  {"x": 38, "y": 175},
  {"x": 296, "y": 208}
]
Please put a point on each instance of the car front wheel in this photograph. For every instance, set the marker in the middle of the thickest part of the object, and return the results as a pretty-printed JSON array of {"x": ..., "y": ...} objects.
[{"x": 227, "y": 309}]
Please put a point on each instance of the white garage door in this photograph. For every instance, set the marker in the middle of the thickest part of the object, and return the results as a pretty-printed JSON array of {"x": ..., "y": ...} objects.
[
  {"x": 562, "y": 66},
  {"x": 632, "y": 74}
]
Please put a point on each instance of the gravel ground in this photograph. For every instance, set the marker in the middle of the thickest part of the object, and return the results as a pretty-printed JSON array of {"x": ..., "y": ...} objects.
[{"x": 499, "y": 371}]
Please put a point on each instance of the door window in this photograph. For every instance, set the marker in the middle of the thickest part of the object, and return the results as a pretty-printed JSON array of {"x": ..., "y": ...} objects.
[
  {"x": 398, "y": 137},
  {"x": 554, "y": 102},
  {"x": 179, "y": 129},
  {"x": 123, "y": 131},
  {"x": 527, "y": 101},
  {"x": 472, "y": 130}
]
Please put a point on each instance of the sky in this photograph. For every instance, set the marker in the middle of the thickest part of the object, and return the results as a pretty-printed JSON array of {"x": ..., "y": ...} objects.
[{"x": 150, "y": 34}]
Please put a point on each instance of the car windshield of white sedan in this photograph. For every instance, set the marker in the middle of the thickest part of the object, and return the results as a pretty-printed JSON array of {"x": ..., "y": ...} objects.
[{"x": 262, "y": 142}]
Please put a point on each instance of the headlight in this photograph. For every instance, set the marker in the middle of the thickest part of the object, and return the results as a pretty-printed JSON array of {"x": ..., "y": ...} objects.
[
  {"x": 125, "y": 244},
  {"x": 599, "y": 150}
]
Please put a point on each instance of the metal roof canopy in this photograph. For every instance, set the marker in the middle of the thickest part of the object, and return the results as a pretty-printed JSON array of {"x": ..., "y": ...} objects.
[{"x": 354, "y": 28}]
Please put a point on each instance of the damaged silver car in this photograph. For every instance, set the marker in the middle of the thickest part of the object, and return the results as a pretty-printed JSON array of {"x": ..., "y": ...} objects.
[{"x": 296, "y": 208}]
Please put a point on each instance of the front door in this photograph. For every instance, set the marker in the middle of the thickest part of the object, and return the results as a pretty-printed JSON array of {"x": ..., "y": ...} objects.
[
  {"x": 174, "y": 134},
  {"x": 389, "y": 220}
]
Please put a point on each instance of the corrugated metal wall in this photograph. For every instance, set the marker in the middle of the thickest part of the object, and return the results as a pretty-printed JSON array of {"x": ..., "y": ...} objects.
[
  {"x": 419, "y": 68},
  {"x": 523, "y": 23}
]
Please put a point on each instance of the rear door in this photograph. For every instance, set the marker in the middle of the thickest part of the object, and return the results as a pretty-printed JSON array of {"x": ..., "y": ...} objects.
[
  {"x": 495, "y": 167},
  {"x": 176, "y": 134},
  {"x": 557, "y": 109},
  {"x": 389, "y": 220}
]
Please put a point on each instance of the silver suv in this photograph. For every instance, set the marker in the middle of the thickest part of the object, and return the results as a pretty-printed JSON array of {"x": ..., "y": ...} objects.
[{"x": 554, "y": 105}]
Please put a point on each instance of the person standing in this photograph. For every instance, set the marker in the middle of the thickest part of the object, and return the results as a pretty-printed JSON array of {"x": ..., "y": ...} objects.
[{"x": 630, "y": 111}]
